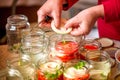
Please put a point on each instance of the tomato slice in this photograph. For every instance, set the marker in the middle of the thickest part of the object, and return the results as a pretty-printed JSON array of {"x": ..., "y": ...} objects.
[
  {"x": 40, "y": 75},
  {"x": 119, "y": 58},
  {"x": 91, "y": 47},
  {"x": 66, "y": 58},
  {"x": 85, "y": 77},
  {"x": 67, "y": 47}
]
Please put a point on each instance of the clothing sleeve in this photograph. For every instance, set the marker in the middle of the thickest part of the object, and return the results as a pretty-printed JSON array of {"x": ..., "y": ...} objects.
[
  {"x": 112, "y": 10},
  {"x": 69, "y": 4}
]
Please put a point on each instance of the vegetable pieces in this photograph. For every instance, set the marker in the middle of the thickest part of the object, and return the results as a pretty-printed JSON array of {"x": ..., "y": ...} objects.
[{"x": 62, "y": 29}]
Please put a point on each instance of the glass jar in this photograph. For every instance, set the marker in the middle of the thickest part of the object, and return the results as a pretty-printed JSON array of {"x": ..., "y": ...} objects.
[
  {"x": 13, "y": 74},
  {"x": 117, "y": 70},
  {"x": 15, "y": 24},
  {"x": 35, "y": 44},
  {"x": 100, "y": 64},
  {"x": 76, "y": 70},
  {"x": 64, "y": 47},
  {"x": 24, "y": 65},
  {"x": 50, "y": 70},
  {"x": 89, "y": 45}
]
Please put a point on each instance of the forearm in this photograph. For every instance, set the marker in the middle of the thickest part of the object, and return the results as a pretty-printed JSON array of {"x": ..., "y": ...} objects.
[
  {"x": 95, "y": 11},
  {"x": 98, "y": 11}
]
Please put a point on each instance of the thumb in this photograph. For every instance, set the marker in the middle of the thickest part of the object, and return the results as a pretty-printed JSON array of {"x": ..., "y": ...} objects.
[
  {"x": 82, "y": 29},
  {"x": 68, "y": 24}
]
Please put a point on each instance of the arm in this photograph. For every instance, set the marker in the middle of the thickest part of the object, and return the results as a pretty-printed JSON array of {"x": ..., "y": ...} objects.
[
  {"x": 83, "y": 22},
  {"x": 111, "y": 10}
]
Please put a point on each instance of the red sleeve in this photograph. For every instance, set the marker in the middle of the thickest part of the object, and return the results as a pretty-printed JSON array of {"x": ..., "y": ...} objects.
[
  {"x": 69, "y": 4},
  {"x": 112, "y": 10}
]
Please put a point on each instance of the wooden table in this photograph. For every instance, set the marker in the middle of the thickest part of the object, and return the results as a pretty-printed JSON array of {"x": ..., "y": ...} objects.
[{"x": 6, "y": 55}]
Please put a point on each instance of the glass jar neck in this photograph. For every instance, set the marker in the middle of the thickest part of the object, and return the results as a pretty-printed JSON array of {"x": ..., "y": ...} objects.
[{"x": 17, "y": 20}]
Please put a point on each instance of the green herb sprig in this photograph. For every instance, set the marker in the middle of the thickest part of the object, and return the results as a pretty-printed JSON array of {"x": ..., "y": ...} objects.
[
  {"x": 80, "y": 65},
  {"x": 51, "y": 76}
]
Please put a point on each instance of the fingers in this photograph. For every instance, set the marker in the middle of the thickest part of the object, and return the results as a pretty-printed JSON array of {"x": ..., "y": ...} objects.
[
  {"x": 43, "y": 18},
  {"x": 81, "y": 30},
  {"x": 41, "y": 15},
  {"x": 46, "y": 20},
  {"x": 57, "y": 19},
  {"x": 78, "y": 28}
]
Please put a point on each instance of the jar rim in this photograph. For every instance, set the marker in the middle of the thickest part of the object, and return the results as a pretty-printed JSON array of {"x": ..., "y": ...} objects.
[{"x": 17, "y": 18}]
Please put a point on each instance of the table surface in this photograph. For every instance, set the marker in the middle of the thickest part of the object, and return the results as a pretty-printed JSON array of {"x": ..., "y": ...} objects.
[{"x": 6, "y": 55}]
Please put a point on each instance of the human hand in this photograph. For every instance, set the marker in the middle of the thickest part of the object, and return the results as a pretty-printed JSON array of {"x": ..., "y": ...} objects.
[
  {"x": 51, "y": 8},
  {"x": 83, "y": 22}
]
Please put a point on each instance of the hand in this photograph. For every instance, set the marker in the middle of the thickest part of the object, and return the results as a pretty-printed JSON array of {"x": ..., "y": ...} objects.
[
  {"x": 83, "y": 22},
  {"x": 51, "y": 8}
]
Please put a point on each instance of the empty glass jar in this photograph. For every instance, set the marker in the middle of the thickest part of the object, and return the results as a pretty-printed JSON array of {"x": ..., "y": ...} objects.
[
  {"x": 35, "y": 44},
  {"x": 13, "y": 74},
  {"x": 21, "y": 67},
  {"x": 15, "y": 24}
]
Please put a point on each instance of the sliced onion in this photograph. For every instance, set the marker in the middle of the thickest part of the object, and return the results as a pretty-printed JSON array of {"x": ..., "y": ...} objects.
[
  {"x": 62, "y": 29},
  {"x": 50, "y": 67},
  {"x": 73, "y": 73}
]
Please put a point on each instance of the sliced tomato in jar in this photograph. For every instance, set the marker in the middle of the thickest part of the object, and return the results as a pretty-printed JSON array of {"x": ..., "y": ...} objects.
[
  {"x": 118, "y": 58},
  {"x": 67, "y": 47},
  {"x": 67, "y": 50},
  {"x": 91, "y": 47},
  {"x": 40, "y": 75},
  {"x": 66, "y": 58},
  {"x": 85, "y": 77}
]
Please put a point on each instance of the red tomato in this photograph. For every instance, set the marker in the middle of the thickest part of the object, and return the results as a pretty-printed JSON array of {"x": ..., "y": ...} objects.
[
  {"x": 91, "y": 47},
  {"x": 66, "y": 58},
  {"x": 119, "y": 58},
  {"x": 67, "y": 47},
  {"x": 82, "y": 56},
  {"x": 40, "y": 75},
  {"x": 85, "y": 77},
  {"x": 60, "y": 78}
]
